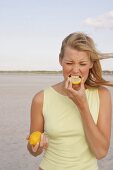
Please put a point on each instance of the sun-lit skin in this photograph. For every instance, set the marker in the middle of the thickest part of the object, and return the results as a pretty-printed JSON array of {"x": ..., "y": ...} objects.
[{"x": 75, "y": 63}]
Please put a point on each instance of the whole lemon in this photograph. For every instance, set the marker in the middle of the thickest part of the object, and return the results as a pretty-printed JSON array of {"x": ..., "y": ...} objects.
[{"x": 35, "y": 138}]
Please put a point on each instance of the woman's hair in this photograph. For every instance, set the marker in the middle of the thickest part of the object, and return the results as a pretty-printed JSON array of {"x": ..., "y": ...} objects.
[{"x": 82, "y": 42}]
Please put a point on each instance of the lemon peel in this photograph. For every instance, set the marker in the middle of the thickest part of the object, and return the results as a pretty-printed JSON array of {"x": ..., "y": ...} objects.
[{"x": 34, "y": 138}]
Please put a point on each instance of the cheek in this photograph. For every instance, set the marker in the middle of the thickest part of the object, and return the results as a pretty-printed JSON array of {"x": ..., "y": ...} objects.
[
  {"x": 66, "y": 71},
  {"x": 85, "y": 71}
]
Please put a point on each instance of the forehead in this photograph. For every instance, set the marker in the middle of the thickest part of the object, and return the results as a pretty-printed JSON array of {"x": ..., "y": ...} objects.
[{"x": 71, "y": 53}]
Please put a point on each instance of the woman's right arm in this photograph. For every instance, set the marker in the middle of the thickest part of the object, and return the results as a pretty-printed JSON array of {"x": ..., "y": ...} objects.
[{"x": 37, "y": 124}]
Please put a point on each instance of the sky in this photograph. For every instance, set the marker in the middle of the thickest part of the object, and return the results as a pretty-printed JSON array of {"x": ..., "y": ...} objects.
[{"x": 31, "y": 31}]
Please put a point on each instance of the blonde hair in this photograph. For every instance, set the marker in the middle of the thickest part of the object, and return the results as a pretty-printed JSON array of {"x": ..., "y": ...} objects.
[{"x": 82, "y": 42}]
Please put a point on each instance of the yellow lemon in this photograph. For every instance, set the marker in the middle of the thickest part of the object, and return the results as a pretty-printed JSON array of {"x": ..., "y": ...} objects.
[
  {"x": 75, "y": 79},
  {"x": 35, "y": 138}
]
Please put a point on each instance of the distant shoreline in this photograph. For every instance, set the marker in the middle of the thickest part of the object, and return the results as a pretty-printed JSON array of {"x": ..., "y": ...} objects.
[
  {"x": 106, "y": 72},
  {"x": 31, "y": 72}
]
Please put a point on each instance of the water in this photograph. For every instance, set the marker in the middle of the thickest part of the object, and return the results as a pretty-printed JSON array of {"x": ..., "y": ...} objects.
[{"x": 16, "y": 93}]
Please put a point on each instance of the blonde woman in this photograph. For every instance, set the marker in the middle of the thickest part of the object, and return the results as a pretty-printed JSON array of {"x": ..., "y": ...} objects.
[{"x": 74, "y": 116}]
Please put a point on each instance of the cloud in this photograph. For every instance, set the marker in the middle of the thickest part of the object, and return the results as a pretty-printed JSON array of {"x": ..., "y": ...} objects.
[{"x": 104, "y": 21}]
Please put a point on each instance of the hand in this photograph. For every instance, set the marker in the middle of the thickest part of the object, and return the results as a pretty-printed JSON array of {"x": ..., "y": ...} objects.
[
  {"x": 40, "y": 146},
  {"x": 76, "y": 92}
]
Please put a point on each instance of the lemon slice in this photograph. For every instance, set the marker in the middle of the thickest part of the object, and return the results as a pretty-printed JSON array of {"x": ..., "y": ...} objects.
[
  {"x": 34, "y": 138},
  {"x": 75, "y": 79}
]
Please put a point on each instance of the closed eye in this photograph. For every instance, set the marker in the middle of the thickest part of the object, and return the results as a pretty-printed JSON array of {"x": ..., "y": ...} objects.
[
  {"x": 83, "y": 64},
  {"x": 69, "y": 63}
]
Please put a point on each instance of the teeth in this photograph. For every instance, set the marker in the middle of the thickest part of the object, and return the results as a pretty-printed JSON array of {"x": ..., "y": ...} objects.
[{"x": 75, "y": 76}]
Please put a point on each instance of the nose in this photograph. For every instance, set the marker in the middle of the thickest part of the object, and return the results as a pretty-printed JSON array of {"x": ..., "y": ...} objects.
[{"x": 76, "y": 69}]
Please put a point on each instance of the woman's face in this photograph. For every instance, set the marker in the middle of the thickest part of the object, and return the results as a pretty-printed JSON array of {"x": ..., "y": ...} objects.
[{"x": 75, "y": 63}]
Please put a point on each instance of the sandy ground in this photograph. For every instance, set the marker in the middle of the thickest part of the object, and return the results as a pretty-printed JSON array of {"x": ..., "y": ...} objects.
[{"x": 16, "y": 93}]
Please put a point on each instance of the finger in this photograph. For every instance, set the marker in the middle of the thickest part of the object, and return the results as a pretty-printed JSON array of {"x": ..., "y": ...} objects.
[
  {"x": 70, "y": 89},
  {"x": 45, "y": 142},
  {"x": 67, "y": 83},
  {"x": 34, "y": 148},
  {"x": 41, "y": 141},
  {"x": 27, "y": 138},
  {"x": 70, "y": 85},
  {"x": 82, "y": 82}
]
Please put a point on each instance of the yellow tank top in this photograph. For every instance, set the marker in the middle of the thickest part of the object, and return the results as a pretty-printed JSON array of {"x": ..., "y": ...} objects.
[{"x": 68, "y": 148}]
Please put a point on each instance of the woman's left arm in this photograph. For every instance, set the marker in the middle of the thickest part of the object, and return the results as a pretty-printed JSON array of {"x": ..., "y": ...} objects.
[{"x": 98, "y": 135}]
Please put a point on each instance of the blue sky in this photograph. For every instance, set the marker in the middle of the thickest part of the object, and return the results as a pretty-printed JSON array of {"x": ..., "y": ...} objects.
[{"x": 31, "y": 32}]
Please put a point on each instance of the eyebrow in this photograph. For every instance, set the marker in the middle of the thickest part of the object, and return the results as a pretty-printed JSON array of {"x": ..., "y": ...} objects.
[
  {"x": 84, "y": 61},
  {"x": 79, "y": 61}
]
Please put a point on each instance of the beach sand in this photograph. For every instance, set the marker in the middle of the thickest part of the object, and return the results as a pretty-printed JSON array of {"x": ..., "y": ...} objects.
[{"x": 16, "y": 93}]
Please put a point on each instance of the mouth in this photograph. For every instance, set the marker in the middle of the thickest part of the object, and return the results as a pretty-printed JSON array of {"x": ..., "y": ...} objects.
[{"x": 75, "y": 79}]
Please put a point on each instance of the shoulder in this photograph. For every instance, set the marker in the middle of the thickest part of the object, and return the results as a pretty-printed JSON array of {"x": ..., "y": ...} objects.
[
  {"x": 104, "y": 91},
  {"x": 38, "y": 98},
  {"x": 104, "y": 94}
]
